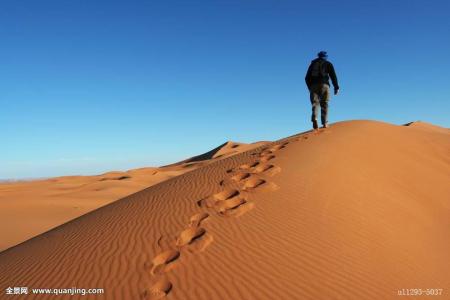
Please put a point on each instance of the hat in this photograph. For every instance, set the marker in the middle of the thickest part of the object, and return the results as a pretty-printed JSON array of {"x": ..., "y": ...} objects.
[{"x": 322, "y": 54}]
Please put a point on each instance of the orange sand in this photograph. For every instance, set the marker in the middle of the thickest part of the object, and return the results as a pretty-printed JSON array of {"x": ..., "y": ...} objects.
[
  {"x": 356, "y": 211},
  {"x": 33, "y": 207}
]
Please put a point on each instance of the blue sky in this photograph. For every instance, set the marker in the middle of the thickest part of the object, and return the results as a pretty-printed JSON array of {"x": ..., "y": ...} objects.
[{"x": 93, "y": 86}]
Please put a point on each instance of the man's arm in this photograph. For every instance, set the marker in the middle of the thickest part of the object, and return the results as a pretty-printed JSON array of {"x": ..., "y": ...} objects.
[
  {"x": 308, "y": 77},
  {"x": 333, "y": 77}
]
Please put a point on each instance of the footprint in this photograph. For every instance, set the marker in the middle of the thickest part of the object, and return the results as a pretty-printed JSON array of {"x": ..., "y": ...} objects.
[
  {"x": 321, "y": 130},
  {"x": 263, "y": 167},
  {"x": 226, "y": 194},
  {"x": 206, "y": 202},
  {"x": 240, "y": 176},
  {"x": 266, "y": 152},
  {"x": 197, "y": 219},
  {"x": 158, "y": 290},
  {"x": 248, "y": 166},
  {"x": 196, "y": 239},
  {"x": 277, "y": 147},
  {"x": 162, "y": 262},
  {"x": 267, "y": 158},
  {"x": 254, "y": 164},
  {"x": 190, "y": 235},
  {"x": 201, "y": 244},
  {"x": 238, "y": 210},
  {"x": 244, "y": 167},
  {"x": 253, "y": 183},
  {"x": 223, "y": 205},
  {"x": 210, "y": 201}
]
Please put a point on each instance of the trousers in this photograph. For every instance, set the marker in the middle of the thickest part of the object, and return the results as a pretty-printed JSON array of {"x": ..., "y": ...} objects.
[{"x": 319, "y": 94}]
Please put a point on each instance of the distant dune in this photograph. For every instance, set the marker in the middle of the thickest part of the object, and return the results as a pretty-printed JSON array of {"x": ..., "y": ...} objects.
[
  {"x": 47, "y": 203},
  {"x": 360, "y": 210}
]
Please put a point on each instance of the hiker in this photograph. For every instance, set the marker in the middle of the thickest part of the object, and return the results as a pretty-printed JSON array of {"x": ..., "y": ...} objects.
[{"x": 317, "y": 80}]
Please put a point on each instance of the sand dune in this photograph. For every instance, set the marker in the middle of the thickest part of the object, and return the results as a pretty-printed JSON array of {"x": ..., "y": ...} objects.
[
  {"x": 45, "y": 204},
  {"x": 357, "y": 211}
]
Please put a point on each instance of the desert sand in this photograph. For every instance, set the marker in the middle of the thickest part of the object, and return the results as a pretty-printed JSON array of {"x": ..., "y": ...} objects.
[
  {"x": 29, "y": 208},
  {"x": 360, "y": 210}
]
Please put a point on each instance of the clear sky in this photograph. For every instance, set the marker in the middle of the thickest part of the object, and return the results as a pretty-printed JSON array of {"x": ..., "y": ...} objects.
[{"x": 91, "y": 86}]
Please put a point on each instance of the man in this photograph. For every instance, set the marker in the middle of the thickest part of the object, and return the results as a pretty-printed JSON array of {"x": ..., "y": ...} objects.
[{"x": 317, "y": 79}]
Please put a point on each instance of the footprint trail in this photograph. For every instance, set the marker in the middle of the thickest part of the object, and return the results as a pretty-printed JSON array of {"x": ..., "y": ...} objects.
[{"x": 231, "y": 202}]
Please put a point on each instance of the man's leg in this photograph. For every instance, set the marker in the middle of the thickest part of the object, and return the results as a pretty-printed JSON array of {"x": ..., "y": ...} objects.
[
  {"x": 324, "y": 98},
  {"x": 315, "y": 102},
  {"x": 324, "y": 112}
]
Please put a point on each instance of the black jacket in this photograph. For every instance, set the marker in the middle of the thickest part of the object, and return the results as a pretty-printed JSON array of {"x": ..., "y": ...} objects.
[{"x": 320, "y": 71}]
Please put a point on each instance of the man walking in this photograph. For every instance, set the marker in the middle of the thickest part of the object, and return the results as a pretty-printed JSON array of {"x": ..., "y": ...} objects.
[{"x": 317, "y": 79}]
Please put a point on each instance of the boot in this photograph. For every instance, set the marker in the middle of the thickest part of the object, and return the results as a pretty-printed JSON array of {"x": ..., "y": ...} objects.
[{"x": 315, "y": 125}]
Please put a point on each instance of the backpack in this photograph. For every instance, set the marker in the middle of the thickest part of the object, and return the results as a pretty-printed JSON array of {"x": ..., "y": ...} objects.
[{"x": 319, "y": 69}]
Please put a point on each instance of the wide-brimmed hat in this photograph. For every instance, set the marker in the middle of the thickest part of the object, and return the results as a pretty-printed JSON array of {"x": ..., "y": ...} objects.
[{"x": 322, "y": 54}]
